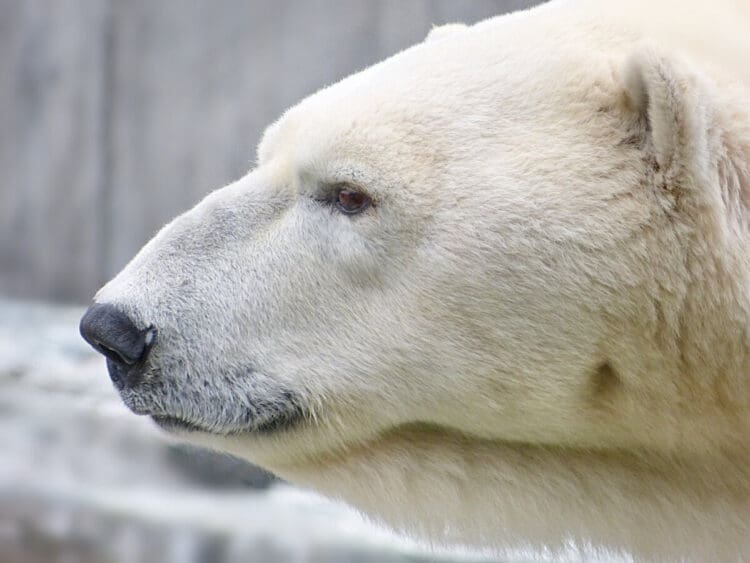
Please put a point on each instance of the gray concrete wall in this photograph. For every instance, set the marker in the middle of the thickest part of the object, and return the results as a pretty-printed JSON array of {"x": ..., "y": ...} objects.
[{"x": 116, "y": 115}]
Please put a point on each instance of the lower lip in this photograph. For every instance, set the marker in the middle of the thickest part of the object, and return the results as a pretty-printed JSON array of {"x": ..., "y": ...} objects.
[{"x": 176, "y": 424}]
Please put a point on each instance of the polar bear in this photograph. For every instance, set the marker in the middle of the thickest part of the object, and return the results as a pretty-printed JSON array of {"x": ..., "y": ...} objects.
[{"x": 491, "y": 291}]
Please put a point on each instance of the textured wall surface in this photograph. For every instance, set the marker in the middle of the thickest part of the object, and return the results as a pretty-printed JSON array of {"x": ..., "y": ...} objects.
[{"x": 117, "y": 115}]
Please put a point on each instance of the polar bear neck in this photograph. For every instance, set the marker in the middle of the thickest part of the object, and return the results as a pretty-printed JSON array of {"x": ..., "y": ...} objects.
[{"x": 455, "y": 489}]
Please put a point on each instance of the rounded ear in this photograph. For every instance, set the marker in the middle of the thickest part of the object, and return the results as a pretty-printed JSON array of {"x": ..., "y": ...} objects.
[
  {"x": 673, "y": 104},
  {"x": 696, "y": 136},
  {"x": 681, "y": 130},
  {"x": 443, "y": 31}
]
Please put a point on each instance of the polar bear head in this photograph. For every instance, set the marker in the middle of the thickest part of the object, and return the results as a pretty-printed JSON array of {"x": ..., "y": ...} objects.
[{"x": 499, "y": 245}]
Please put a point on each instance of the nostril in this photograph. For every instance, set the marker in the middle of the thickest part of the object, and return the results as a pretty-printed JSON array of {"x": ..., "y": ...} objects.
[
  {"x": 115, "y": 335},
  {"x": 113, "y": 355}
]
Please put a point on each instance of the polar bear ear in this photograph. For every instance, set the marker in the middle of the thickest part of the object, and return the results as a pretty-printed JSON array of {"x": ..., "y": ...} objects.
[
  {"x": 673, "y": 105},
  {"x": 443, "y": 31}
]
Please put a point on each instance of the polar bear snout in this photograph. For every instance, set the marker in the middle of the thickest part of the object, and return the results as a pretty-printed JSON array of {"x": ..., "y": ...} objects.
[{"x": 113, "y": 333}]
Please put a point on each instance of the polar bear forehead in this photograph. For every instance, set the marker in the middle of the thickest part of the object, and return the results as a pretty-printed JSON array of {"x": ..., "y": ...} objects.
[
  {"x": 428, "y": 93},
  {"x": 509, "y": 67}
]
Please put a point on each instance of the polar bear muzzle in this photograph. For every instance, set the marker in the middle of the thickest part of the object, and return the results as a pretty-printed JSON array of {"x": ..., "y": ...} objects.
[{"x": 147, "y": 390}]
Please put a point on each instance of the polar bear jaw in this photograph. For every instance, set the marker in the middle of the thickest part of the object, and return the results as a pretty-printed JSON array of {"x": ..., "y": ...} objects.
[{"x": 546, "y": 301}]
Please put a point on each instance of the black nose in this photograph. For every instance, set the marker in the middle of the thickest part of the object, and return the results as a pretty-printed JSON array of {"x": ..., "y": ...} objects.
[{"x": 112, "y": 333}]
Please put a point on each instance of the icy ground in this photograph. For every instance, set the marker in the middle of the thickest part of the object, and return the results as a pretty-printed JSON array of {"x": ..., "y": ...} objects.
[{"x": 83, "y": 480}]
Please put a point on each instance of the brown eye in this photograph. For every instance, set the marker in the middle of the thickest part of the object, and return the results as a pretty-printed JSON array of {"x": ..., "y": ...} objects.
[{"x": 351, "y": 201}]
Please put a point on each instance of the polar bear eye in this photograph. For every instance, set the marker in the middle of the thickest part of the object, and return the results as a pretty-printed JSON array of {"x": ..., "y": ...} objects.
[{"x": 351, "y": 201}]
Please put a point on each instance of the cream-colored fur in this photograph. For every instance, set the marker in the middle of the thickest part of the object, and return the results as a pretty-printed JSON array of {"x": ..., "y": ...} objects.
[{"x": 538, "y": 335}]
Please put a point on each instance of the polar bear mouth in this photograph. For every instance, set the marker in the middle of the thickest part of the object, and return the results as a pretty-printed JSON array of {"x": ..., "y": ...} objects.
[
  {"x": 173, "y": 423},
  {"x": 250, "y": 403},
  {"x": 280, "y": 421},
  {"x": 228, "y": 415}
]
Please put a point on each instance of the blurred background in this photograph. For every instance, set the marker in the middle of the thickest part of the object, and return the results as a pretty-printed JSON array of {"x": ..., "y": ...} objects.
[{"x": 115, "y": 115}]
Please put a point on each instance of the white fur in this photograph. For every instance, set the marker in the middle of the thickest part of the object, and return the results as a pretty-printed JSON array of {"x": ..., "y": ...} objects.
[{"x": 539, "y": 334}]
